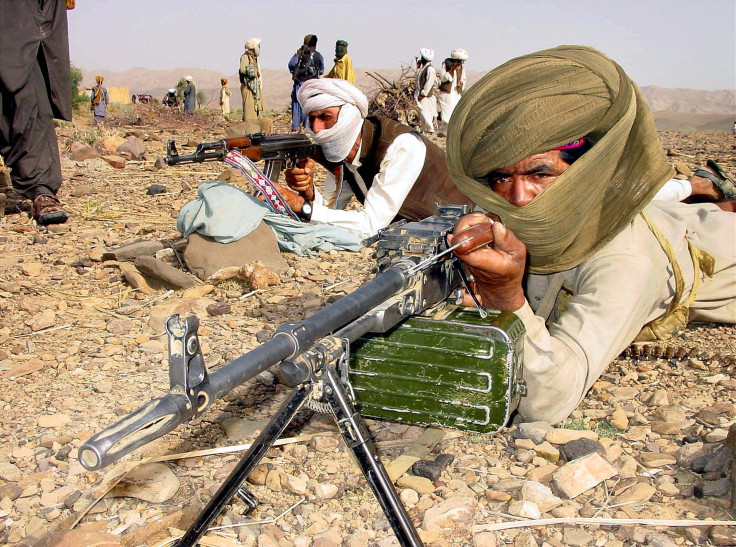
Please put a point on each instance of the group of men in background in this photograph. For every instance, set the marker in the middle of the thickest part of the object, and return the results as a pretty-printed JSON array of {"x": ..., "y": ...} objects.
[{"x": 452, "y": 82}]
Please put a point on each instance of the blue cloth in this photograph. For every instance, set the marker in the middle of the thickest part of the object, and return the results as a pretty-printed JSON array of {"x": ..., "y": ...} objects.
[
  {"x": 226, "y": 214},
  {"x": 297, "y": 116},
  {"x": 100, "y": 109}
]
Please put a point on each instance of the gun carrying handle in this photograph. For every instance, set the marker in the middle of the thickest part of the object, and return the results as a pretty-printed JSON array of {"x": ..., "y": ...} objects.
[{"x": 149, "y": 422}]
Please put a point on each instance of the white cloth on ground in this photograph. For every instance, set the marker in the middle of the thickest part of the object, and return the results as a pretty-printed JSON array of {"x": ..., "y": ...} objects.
[
  {"x": 226, "y": 214},
  {"x": 400, "y": 168}
]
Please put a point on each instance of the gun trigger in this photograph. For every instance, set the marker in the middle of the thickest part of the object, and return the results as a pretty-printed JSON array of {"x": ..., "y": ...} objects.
[{"x": 463, "y": 276}]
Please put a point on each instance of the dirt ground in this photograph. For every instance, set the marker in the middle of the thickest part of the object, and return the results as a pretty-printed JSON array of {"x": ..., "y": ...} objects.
[{"x": 80, "y": 348}]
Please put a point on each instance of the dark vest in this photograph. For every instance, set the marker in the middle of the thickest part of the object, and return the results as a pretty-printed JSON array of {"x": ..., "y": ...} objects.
[{"x": 433, "y": 184}]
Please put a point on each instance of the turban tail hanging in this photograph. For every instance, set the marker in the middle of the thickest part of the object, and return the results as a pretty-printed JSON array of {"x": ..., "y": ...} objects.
[{"x": 544, "y": 100}]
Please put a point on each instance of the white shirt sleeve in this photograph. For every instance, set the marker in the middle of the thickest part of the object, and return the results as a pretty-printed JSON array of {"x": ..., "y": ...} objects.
[
  {"x": 399, "y": 170},
  {"x": 674, "y": 190}
]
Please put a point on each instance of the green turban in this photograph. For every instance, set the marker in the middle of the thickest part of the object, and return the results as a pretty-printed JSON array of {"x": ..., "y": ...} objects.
[
  {"x": 547, "y": 99},
  {"x": 341, "y": 49}
]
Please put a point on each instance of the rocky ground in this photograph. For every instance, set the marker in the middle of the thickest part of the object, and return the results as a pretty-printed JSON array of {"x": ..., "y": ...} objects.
[{"x": 80, "y": 347}]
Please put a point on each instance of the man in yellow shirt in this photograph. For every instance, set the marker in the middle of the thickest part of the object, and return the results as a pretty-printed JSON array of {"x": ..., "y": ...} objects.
[{"x": 343, "y": 68}]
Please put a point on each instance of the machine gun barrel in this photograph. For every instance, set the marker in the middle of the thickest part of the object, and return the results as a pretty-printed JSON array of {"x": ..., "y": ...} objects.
[
  {"x": 410, "y": 283},
  {"x": 183, "y": 403}
]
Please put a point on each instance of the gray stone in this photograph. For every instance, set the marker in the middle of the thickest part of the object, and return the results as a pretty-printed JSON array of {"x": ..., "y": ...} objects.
[
  {"x": 155, "y": 189},
  {"x": 164, "y": 272},
  {"x": 721, "y": 462},
  {"x": 133, "y": 148},
  {"x": 535, "y": 431},
  {"x": 204, "y": 256},
  {"x": 660, "y": 540},
  {"x": 581, "y": 447},
  {"x": 577, "y": 537},
  {"x": 130, "y": 251},
  {"x": 720, "y": 487},
  {"x": 82, "y": 152}
]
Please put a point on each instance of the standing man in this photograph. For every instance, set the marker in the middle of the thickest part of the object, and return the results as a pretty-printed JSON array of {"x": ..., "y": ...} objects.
[
  {"x": 100, "y": 100},
  {"x": 35, "y": 87},
  {"x": 306, "y": 64},
  {"x": 190, "y": 95},
  {"x": 390, "y": 169},
  {"x": 562, "y": 146},
  {"x": 251, "y": 82},
  {"x": 452, "y": 85},
  {"x": 423, "y": 92},
  {"x": 224, "y": 98},
  {"x": 343, "y": 68}
]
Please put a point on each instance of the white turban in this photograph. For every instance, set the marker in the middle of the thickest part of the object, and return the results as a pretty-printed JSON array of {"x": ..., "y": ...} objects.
[
  {"x": 317, "y": 94},
  {"x": 253, "y": 44},
  {"x": 459, "y": 54},
  {"x": 426, "y": 53},
  {"x": 188, "y": 78}
]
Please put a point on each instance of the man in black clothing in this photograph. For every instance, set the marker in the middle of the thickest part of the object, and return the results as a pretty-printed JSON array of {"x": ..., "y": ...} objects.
[
  {"x": 306, "y": 64},
  {"x": 35, "y": 87}
]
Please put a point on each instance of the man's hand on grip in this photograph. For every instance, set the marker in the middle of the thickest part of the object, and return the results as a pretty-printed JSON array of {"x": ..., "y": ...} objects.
[
  {"x": 498, "y": 268},
  {"x": 301, "y": 178}
]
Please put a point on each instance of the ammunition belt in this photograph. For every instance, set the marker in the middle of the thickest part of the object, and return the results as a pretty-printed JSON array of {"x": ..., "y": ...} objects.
[{"x": 652, "y": 352}]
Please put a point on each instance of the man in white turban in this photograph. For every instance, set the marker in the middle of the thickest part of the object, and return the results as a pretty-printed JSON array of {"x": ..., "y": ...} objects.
[
  {"x": 390, "y": 169},
  {"x": 452, "y": 84},
  {"x": 251, "y": 82},
  {"x": 561, "y": 145},
  {"x": 190, "y": 95},
  {"x": 424, "y": 90}
]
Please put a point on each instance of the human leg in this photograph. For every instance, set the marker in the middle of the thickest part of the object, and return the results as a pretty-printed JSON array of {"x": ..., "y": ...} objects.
[
  {"x": 28, "y": 144},
  {"x": 296, "y": 109}
]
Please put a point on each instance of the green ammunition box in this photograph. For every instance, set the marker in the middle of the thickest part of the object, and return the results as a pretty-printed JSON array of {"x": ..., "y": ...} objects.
[{"x": 454, "y": 369}]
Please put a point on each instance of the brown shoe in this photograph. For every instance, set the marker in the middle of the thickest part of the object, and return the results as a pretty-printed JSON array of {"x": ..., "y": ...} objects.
[{"x": 47, "y": 210}]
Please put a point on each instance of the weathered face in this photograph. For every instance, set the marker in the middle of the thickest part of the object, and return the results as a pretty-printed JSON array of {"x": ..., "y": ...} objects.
[
  {"x": 323, "y": 118},
  {"x": 520, "y": 183}
]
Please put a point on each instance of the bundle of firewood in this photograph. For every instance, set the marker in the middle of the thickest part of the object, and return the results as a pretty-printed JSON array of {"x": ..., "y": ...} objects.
[{"x": 395, "y": 99}]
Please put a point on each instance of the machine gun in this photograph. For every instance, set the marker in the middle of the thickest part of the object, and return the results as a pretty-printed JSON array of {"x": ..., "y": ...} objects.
[
  {"x": 418, "y": 279},
  {"x": 276, "y": 150}
]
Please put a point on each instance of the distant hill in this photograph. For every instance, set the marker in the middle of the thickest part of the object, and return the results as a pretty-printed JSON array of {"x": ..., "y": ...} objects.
[{"x": 674, "y": 109}]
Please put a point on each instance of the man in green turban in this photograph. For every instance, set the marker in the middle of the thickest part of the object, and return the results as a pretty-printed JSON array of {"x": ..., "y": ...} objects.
[
  {"x": 343, "y": 68},
  {"x": 561, "y": 145}
]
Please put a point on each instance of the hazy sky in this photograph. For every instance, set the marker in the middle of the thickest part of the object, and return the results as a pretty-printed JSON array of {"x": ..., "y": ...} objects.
[{"x": 669, "y": 43}]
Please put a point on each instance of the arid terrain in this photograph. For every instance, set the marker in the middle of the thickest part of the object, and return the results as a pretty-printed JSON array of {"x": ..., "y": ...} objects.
[
  {"x": 80, "y": 347},
  {"x": 684, "y": 110}
]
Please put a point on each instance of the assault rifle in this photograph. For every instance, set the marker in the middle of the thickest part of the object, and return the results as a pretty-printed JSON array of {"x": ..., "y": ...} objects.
[
  {"x": 418, "y": 276},
  {"x": 276, "y": 150}
]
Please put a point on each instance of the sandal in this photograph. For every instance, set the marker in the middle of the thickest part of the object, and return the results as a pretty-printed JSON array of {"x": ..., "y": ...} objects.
[
  {"x": 719, "y": 178},
  {"x": 47, "y": 210}
]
